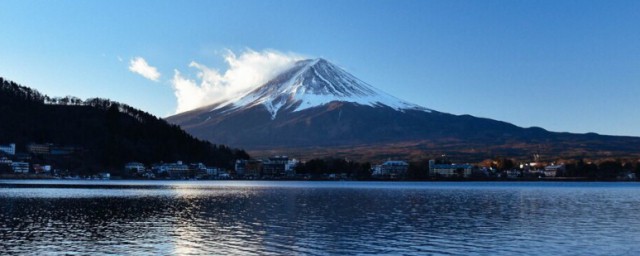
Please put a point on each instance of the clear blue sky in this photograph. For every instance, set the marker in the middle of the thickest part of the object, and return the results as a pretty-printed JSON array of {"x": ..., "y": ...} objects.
[{"x": 561, "y": 65}]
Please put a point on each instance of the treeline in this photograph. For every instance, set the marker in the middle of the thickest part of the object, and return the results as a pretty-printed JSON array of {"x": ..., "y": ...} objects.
[
  {"x": 108, "y": 133},
  {"x": 491, "y": 169},
  {"x": 604, "y": 170}
]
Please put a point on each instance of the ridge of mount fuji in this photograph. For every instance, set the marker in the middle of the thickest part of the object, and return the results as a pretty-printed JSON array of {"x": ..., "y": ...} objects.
[
  {"x": 316, "y": 109},
  {"x": 312, "y": 83}
]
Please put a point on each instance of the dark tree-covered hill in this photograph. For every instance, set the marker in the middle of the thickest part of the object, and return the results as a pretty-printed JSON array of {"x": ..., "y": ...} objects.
[{"x": 109, "y": 133}]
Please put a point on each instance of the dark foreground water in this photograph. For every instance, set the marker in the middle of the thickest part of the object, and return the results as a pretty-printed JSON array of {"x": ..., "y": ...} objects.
[{"x": 345, "y": 218}]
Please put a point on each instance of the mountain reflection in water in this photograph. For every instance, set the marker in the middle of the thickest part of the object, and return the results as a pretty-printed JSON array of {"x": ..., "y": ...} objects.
[{"x": 319, "y": 218}]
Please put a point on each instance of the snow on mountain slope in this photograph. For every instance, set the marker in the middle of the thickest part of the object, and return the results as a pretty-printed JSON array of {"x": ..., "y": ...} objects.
[{"x": 312, "y": 83}]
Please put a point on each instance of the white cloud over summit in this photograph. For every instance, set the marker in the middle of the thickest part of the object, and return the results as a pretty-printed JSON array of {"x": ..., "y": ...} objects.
[
  {"x": 247, "y": 71},
  {"x": 140, "y": 66}
]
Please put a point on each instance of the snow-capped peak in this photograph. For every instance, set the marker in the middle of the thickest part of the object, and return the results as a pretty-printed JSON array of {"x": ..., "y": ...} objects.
[{"x": 312, "y": 83}]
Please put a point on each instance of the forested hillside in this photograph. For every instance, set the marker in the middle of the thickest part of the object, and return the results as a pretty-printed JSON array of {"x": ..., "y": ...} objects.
[{"x": 107, "y": 134}]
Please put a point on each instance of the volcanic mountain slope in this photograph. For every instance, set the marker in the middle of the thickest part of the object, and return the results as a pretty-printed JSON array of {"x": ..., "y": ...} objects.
[{"x": 318, "y": 107}]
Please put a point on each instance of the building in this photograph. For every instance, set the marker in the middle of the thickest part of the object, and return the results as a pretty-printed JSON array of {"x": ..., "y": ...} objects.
[
  {"x": 51, "y": 149},
  {"x": 8, "y": 149},
  {"x": 37, "y": 168},
  {"x": 449, "y": 170},
  {"x": 5, "y": 161},
  {"x": 553, "y": 170},
  {"x": 199, "y": 170},
  {"x": 213, "y": 171},
  {"x": 391, "y": 169},
  {"x": 173, "y": 170},
  {"x": 248, "y": 168},
  {"x": 134, "y": 166},
  {"x": 279, "y": 166},
  {"x": 39, "y": 149},
  {"x": 104, "y": 176},
  {"x": 5, "y": 165},
  {"x": 62, "y": 150},
  {"x": 20, "y": 167}
]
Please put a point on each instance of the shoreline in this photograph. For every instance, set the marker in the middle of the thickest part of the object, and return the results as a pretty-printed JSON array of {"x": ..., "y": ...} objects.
[{"x": 543, "y": 179}]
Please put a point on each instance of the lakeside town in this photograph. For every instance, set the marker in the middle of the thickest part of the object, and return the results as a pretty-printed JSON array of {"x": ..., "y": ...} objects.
[{"x": 38, "y": 162}]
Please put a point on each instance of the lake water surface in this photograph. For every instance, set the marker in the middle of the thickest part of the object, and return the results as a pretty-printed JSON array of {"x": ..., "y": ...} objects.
[{"x": 319, "y": 218}]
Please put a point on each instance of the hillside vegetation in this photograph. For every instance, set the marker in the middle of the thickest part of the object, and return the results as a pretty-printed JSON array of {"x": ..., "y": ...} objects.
[{"x": 108, "y": 134}]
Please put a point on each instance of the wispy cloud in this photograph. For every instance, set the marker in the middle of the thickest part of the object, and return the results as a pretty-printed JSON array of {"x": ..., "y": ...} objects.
[
  {"x": 247, "y": 71},
  {"x": 140, "y": 66}
]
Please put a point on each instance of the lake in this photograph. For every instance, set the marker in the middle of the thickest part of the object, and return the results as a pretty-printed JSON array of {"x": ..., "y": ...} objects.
[{"x": 319, "y": 218}]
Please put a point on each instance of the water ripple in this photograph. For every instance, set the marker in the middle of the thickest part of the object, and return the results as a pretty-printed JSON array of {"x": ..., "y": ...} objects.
[{"x": 334, "y": 218}]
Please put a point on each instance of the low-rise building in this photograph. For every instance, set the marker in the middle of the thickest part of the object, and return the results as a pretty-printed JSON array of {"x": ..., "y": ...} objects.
[
  {"x": 279, "y": 166},
  {"x": 8, "y": 149},
  {"x": 4, "y": 160},
  {"x": 51, "y": 149},
  {"x": 449, "y": 170},
  {"x": 20, "y": 167},
  {"x": 248, "y": 168},
  {"x": 37, "y": 168},
  {"x": 391, "y": 169},
  {"x": 39, "y": 149},
  {"x": 198, "y": 170},
  {"x": 554, "y": 170},
  {"x": 173, "y": 170},
  {"x": 134, "y": 166},
  {"x": 63, "y": 150}
]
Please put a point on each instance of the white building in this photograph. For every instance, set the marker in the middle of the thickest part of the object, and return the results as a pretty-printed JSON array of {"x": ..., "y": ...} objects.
[
  {"x": 553, "y": 170},
  {"x": 20, "y": 167},
  {"x": 391, "y": 169},
  {"x": 173, "y": 169},
  {"x": 9, "y": 149},
  {"x": 449, "y": 170},
  {"x": 7, "y": 161},
  {"x": 134, "y": 166},
  {"x": 291, "y": 165}
]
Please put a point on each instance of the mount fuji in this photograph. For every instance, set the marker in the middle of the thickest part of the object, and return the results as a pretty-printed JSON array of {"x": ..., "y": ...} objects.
[
  {"x": 314, "y": 83},
  {"x": 315, "y": 108}
]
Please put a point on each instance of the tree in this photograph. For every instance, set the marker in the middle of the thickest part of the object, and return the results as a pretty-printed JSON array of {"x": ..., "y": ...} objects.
[
  {"x": 418, "y": 170},
  {"x": 505, "y": 164}
]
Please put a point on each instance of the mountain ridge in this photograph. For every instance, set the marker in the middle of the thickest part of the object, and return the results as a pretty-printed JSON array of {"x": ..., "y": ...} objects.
[{"x": 274, "y": 116}]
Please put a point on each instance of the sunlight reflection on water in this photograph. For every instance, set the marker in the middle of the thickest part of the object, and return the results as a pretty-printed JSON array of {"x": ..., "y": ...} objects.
[{"x": 318, "y": 218}]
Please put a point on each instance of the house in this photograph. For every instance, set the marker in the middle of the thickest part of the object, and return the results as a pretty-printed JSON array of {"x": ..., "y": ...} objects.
[
  {"x": 449, "y": 170},
  {"x": 8, "y": 149}
]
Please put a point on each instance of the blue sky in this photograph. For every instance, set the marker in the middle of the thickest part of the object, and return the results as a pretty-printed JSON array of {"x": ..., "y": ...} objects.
[{"x": 561, "y": 65}]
